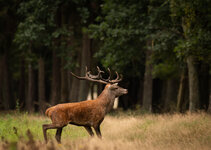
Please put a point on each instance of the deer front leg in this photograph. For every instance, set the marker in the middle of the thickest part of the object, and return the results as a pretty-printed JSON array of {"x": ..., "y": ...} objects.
[
  {"x": 89, "y": 130},
  {"x": 97, "y": 131},
  {"x": 58, "y": 134}
]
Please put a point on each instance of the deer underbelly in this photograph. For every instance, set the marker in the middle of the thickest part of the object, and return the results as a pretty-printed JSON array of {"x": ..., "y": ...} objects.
[
  {"x": 89, "y": 121},
  {"x": 80, "y": 124}
]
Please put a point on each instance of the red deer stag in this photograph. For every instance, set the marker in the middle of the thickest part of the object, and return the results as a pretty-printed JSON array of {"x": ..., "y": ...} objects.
[{"x": 89, "y": 113}]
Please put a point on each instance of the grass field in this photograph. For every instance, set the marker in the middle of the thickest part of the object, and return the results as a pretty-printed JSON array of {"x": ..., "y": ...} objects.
[{"x": 120, "y": 132}]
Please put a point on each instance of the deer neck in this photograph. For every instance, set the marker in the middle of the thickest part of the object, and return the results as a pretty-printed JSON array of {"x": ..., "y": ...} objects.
[{"x": 106, "y": 100}]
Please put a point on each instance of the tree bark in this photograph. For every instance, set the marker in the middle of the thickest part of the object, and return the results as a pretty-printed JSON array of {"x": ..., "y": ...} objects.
[
  {"x": 140, "y": 92},
  {"x": 6, "y": 84},
  {"x": 209, "y": 108},
  {"x": 204, "y": 87},
  {"x": 30, "y": 92},
  {"x": 193, "y": 84},
  {"x": 148, "y": 81},
  {"x": 171, "y": 94},
  {"x": 182, "y": 91},
  {"x": 64, "y": 82},
  {"x": 85, "y": 61},
  {"x": 41, "y": 85},
  {"x": 75, "y": 83},
  {"x": 1, "y": 83},
  {"x": 55, "y": 86},
  {"x": 21, "y": 90},
  {"x": 75, "y": 86}
]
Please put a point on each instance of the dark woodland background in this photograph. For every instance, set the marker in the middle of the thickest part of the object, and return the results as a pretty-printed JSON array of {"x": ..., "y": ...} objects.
[{"x": 162, "y": 48}]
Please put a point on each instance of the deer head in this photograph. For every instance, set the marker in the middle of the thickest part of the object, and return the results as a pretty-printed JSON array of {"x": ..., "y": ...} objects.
[{"x": 116, "y": 90}]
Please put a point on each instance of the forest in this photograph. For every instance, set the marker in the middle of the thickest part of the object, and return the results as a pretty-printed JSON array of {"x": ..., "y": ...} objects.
[{"x": 161, "y": 47}]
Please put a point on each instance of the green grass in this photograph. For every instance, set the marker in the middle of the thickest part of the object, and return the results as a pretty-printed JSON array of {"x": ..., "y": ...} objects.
[
  {"x": 24, "y": 121},
  {"x": 120, "y": 131}
]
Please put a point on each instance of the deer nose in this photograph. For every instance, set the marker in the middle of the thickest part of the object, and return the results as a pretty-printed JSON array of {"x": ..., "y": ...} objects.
[{"x": 125, "y": 91}]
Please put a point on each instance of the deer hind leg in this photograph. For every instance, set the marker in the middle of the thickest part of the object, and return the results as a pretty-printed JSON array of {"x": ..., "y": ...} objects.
[
  {"x": 89, "y": 130},
  {"x": 45, "y": 127}
]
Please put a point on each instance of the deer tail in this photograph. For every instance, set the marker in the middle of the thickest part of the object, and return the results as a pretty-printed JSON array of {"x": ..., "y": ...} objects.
[{"x": 48, "y": 112}]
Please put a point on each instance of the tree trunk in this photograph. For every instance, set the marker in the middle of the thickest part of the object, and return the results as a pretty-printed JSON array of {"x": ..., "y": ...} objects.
[
  {"x": 55, "y": 86},
  {"x": 75, "y": 83},
  {"x": 64, "y": 82},
  {"x": 6, "y": 85},
  {"x": 30, "y": 92},
  {"x": 181, "y": 96},
  {"x": 209, "y": 108},
  {"x": 171, "y": 94},
  {"x": 140, "y": 92},
  {"x": 85, "y": 61},
  {"x": 41, "y": 85},
  {"x": 21, "y": 90},
  {"x": 204, "y": 87},
  {"x": 148, "y": 81},
  {"x": 74, "y": 93},
  {"x": 1, "y": 83},
  {"x": 193, "y": 84}
]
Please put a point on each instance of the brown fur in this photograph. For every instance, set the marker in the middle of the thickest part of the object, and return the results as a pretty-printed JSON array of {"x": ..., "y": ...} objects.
[{"x": 89, "y": 113}]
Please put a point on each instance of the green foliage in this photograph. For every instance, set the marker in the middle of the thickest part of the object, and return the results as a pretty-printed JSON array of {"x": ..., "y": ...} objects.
[
  {"x": 38, "y": 23},
  {"x": 121, "y": 30},
  {"x": 38, "y": 31},
  {"x": 84, "y": 14},
  {"x": 8, "y": 21},
  {"x": 193, "y": 17},
  {"x": 44, "y": 27},
  {"x": 165, "y": 70}
]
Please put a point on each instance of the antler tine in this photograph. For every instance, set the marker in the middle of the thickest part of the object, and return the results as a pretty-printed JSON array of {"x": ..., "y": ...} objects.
[
  {"x": 90, "y": 77},
  {"x": 87, "y": 72},
  {"x": 99, "y": 71},
  {"x": 117, "y": 75},
  {"x": 109, "y": 71},
  {"x": 117, "y": 78},
  {"x": 94, "y": 76}
]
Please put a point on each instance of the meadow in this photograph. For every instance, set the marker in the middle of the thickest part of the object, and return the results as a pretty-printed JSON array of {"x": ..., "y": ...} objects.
[{"x": 121, "y": 131}]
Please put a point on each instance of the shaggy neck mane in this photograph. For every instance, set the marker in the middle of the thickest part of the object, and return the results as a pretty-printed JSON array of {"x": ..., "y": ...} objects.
[{"x": 106, "y": 99}]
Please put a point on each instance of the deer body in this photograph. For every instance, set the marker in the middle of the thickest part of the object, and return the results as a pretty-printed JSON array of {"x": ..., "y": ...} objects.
[{"x": 89, "y": 113}]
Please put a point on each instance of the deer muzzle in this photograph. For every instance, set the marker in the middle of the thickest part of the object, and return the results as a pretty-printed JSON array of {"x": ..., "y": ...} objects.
[{"x": 125, "y": 91}]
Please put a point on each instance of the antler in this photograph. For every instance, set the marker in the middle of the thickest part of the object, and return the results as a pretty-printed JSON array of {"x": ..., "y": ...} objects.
[
  {"x": 117, "y": 78},
  {"x": 107, "y": 80},
  {"x": 90, "y": 77},
  {"x": 98, "y": 77}
]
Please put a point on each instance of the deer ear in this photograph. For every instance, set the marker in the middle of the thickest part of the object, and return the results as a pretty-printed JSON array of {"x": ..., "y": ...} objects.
[{"x": 113, "y": 86}]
